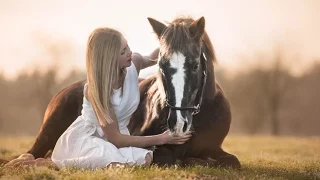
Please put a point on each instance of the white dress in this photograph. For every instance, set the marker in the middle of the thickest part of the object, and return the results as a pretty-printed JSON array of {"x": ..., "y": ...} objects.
[{"x": 83, "y": 144}]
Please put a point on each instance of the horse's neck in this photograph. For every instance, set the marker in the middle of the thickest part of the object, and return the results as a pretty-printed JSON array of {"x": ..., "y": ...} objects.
[
  {"x": 150, "y": 108},
  {"x": 211, "y": 87}
]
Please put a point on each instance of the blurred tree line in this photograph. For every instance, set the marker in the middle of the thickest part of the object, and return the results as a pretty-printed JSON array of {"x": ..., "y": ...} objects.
[
  {"x": 263, "y": 100},
  {"x": 24, "y": 100},
  {"x": 270, "y": 100}
]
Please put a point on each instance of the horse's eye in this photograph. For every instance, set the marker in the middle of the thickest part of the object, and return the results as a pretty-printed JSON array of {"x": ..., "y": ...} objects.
[{"x": 195, "y": 67}]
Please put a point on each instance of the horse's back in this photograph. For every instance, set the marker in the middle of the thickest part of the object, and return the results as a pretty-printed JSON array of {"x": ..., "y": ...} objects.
[{"x": 62, "y": 110}]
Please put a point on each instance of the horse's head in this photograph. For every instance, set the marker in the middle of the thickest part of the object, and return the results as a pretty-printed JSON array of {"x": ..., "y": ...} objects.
[{"x": 182, "y": 64}]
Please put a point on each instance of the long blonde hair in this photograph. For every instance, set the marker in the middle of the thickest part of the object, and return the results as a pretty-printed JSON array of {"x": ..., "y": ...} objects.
[{"x": 103, "y": 50}]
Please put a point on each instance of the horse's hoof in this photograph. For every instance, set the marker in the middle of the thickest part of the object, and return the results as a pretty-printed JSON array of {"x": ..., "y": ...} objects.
[{"x": 229, "y": 161}]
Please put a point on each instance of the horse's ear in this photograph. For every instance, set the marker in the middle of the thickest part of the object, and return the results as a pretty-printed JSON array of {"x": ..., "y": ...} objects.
[
  {"x": 196, "y": 29},
  {"x": 157, "y": 26}
]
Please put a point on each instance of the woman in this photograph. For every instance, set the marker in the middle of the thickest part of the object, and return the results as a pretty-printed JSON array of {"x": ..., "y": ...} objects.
[{"x": 99, "y": 137}]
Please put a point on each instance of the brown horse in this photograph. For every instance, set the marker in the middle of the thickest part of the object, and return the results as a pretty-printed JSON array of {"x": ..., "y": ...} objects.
[{"x": 182, "y": 96}]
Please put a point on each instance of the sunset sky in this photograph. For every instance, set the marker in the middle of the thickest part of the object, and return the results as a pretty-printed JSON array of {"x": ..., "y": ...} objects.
[{"x": 238, "y": 28}]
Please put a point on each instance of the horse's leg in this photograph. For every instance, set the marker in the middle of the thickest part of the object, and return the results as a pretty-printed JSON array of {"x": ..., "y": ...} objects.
[
  {"x": 218, "y": 158},
  {"x": 227, "y": 160},
  {"x": 224, "y": 159},
  {"x": 63, "y": 109},
  {"x": 163, "y": 156},
  {"x": 219, "y": 124}
]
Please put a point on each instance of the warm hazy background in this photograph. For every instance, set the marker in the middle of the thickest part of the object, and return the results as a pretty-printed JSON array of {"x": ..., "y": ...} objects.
[{"x": 268, "y": 53}]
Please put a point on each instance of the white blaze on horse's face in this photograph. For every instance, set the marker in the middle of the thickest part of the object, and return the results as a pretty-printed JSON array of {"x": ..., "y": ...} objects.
[{"x": 177, "y": 62}]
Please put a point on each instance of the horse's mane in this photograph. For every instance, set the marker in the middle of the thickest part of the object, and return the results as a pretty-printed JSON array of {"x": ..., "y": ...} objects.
[{"x": 177, "y": 34}]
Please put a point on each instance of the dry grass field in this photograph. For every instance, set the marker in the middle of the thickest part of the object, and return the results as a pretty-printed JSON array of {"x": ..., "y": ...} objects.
[{"x": 262, "y": 157}]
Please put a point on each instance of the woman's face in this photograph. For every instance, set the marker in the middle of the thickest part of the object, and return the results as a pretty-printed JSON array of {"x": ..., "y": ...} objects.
[{"x": 125, "y": 54}]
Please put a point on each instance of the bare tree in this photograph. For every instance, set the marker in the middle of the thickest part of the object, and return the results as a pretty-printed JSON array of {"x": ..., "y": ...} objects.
[{"x": 278, "y": 83}]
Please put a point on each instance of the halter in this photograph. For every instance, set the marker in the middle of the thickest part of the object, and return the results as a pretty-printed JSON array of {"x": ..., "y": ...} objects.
[{"x": 196, "y": 109}]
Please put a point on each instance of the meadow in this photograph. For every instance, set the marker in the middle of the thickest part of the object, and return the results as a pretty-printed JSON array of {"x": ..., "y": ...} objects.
[{"x": 262, "y": 157}]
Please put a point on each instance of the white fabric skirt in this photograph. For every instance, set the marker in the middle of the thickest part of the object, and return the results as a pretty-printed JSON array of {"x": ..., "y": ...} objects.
[{"x": 82, "y": 145}]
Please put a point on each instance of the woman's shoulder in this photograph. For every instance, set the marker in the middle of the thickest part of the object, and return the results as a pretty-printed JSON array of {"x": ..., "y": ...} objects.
[
  {"x": 137, "y": 60},
  {"x": 133, "y": 69}
]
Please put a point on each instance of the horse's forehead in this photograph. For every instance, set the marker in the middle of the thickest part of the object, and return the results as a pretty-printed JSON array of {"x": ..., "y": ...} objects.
[{"x": 177, "y": 60}]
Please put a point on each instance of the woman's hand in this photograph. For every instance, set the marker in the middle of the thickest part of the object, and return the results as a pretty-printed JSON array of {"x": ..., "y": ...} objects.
[{"x": 168, "y": 138}]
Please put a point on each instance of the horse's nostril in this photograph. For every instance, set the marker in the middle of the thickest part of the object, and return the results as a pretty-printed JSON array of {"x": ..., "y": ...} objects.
[{"x": 185, "y": 126}]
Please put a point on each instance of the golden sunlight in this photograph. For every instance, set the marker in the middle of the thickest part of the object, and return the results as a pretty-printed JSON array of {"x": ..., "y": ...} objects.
[{"x": 238, "y": 29}]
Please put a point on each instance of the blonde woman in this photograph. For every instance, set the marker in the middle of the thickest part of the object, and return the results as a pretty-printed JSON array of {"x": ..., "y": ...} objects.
[{"x": 100, "y": 137}]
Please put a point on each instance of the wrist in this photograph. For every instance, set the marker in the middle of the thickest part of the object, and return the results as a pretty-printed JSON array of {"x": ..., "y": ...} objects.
[{"x": 161, "y": 139}]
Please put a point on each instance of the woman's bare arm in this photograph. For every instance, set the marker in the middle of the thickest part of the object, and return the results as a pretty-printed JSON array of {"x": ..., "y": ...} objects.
[
  {"x": 142, "y": 62},
  {"x": 113, "y": 135},
  {"x": 151, "y": 59}
]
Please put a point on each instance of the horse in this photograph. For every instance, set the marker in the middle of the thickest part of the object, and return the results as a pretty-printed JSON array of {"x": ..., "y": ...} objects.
[
  {"x": 184, "y": 96},
  {"x": 181, "y": 96}
]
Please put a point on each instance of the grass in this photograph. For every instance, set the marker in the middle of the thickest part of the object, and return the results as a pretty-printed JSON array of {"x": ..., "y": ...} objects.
[{"x": 262, "y": 157}]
